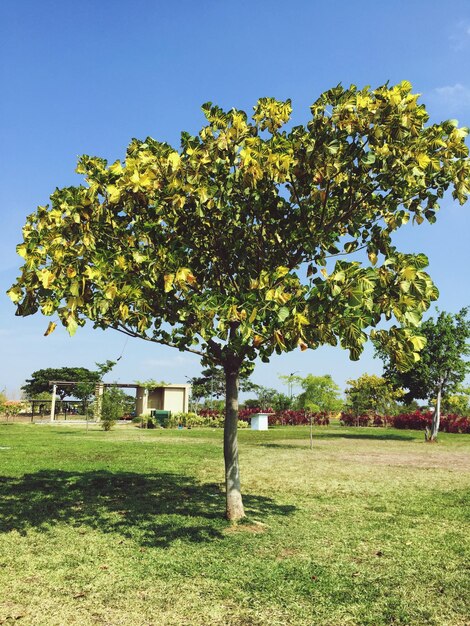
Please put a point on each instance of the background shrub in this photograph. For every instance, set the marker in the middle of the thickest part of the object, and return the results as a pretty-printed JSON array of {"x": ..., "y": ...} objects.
[{"x": 416, "y": 420}]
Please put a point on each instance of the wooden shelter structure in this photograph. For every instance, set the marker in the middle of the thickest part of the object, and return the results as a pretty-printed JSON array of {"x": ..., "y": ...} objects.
[{"x": 163, "y": 397}]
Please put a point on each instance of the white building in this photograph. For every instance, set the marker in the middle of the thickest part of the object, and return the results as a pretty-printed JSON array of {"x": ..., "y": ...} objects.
[{"x": 174, "y": 398}]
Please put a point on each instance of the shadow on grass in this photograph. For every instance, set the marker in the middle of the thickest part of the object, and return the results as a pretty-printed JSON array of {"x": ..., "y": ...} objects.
[
  {"x": 153, "y": 510},
  {"x": 380, "y": 436}
]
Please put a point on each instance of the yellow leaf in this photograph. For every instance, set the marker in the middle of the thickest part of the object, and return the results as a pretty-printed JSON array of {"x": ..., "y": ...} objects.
[
  {"x": 110, "y": 292},
  {"x": 50, "y": 329},
  {"x": 21, "y": 250},
  {"x": 47, "y": 278},
  {"x": 423, "y": 160},
  {"x": 279, "y": 339},
  {"x": 257, "y": 340},
  {"x": 174, "y": 160},
  {"x": 168, "y": 280},
  {"x": 281, "y": 271},
  {"x": 124, "y": 311},
  {"x": 203, "y": 195},
  {"x": 418, "y": 342},
  {"x": 301, "y": 319},
  {"x": 113, "y": 193},
  {"x": 14, "y": 294},
  {"x": 184, "y": 275},
  {"x": 116, "y": 167},
  {"x": 408, "y": 273}
]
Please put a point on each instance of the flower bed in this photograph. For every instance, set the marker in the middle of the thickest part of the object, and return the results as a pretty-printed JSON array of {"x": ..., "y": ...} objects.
[{"x": 279, "y": 418}]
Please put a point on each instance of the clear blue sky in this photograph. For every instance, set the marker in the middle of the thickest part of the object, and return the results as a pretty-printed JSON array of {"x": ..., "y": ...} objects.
[{"x": 85, "y": 77}]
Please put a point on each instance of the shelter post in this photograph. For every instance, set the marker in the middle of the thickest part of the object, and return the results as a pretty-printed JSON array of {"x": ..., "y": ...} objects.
[{"x": 54, "y": 389}]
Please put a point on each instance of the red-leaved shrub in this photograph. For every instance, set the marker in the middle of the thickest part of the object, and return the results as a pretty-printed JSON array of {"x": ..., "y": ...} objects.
[{"x": 416, "y": 421}]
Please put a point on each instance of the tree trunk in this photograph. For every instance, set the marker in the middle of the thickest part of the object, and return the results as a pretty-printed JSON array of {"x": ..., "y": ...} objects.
[
  {"x": 436, "y": 418},
  {"x": 235, "y": 509}
]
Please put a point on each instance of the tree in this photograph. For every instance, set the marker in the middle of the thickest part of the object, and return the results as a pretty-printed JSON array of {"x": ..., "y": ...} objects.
[
  {"x": 442, "y": 366},
  {"x": 320, "y": 393},
  {"x": 291, "y": 380},
  {"x": 114, "y": 404},
  {"x": 281, "y": 402},
  {"x": 457, "y": 402},
  {"x": 40, "y": 381},
  {"x": 211, "y": 383},
  {"x": 372, "y": 394},
  {"x": 266, "y": 397},
  {"x": 223, "y": 247}
]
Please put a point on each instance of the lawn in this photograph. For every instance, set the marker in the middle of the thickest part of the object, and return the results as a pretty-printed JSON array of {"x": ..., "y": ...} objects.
[{"x": 126, "y": 528}]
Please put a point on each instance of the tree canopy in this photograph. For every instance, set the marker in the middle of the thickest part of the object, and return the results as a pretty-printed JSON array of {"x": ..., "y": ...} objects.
[
  {"x": 211, "y": 383},
  {"x": 40, "y": 381},
  {"x": 320, "y": 393},
  {"x": 372, "y": 394},
  {"x": 223, "y": 247},
  {"x": 442, "y": 366}
]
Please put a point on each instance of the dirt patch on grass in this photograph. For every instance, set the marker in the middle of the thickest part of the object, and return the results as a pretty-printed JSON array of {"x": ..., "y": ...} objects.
[
  {"x": 422, "y": 459},
  {"x": 410, "y": 454},
  {"x": 255, "y": 527},
  {"x": 286, "y": 553}
]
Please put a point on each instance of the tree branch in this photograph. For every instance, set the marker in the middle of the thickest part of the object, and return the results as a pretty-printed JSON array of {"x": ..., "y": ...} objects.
[{"x": 131, "y": 333}]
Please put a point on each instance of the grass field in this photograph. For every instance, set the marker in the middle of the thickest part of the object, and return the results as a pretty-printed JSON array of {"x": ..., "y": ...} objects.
[{"x": 126, "y": 528}]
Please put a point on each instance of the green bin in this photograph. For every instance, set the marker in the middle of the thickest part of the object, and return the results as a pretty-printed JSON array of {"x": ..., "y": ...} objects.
[{"x": 160, "y": 416}]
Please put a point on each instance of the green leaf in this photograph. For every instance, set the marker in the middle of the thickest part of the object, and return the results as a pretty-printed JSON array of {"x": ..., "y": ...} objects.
[
  {"x": 71, "y": 324},
  {"x": 413, "y": 318}
]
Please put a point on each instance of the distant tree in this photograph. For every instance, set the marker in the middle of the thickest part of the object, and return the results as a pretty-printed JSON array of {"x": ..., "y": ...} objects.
[
  {"x": 211, "y": 383},
  {"x": 114, "y": 404},
  {"x": 372, "y": 394},
  {"x": 442, "y": 366},
  {"x": 40, "y": 379},
  {"x": 111, "y": 407},
  {"x": 281, "y": 402},
  {"x": 269, "y": 399},
  {"x": 291, "y": 380},
  {"x": 38, "y": 386},
  {"x": 265, "y": 397},
  {"x": 222, "y": 248},
  {"x": 411, "y": 406},
  {"x": 151, "y": 383},
  {"x": 320, "y": 393},
  {"x": 457, "y": 402}
]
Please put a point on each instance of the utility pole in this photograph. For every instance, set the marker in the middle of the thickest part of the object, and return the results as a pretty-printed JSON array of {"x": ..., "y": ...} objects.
[{"x": 291, "y": 384}]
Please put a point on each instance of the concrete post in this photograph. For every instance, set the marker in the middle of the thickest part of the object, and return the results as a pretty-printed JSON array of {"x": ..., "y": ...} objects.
[{"x": 54, "y": 389}]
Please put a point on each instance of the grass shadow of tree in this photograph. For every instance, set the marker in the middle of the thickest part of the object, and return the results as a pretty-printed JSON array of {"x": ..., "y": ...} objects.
[
  {"x": 378, "y": 435},
  {"x": 153, "y": 510}
]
